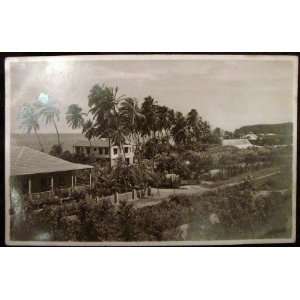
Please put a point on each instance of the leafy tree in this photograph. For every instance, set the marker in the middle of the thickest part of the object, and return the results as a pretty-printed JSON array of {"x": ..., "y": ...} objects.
[
  {"x": 67, "y": 155},
  {"x": 217, "y": 132},
  {"x": 126, "y": 219},
  {"x": 56, "y": 150},
  {"x": 192, "y": 123},
  {"x": 215, "y": 137}
]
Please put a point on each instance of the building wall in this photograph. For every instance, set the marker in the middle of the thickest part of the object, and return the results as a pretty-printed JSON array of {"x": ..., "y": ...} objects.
[{"x": 114, "y": 152}]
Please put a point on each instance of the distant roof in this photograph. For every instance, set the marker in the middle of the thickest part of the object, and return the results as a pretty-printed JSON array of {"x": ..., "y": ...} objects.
[
  {"x": 95, "y": 143},
  {"x": 239, "y": 143},
  {"x": 25, "y": 161},
  {"x": 250, "y": 136}
]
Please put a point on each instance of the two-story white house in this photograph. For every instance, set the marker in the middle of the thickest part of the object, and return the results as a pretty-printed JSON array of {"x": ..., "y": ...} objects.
[{"x": 101, "y": 148}]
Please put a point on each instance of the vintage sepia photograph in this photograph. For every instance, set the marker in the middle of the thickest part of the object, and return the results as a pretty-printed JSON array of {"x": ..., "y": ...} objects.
[{"x": 151, "y": 149}]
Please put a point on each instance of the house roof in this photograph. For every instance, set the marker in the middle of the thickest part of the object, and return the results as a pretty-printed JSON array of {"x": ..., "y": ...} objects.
[
  {"x": 27, "y": 161},
  {"x": 104, "y": 142},
  {"x": 95, "y": 143},
  {"x": 239, "y": 143}
]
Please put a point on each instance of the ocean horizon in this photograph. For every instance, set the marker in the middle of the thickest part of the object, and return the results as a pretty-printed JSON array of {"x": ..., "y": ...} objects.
[{"x": 47, "y": 140}]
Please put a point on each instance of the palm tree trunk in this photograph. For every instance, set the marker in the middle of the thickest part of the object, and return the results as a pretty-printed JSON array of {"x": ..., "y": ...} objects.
[
  {"x": 90, "y": 147},
  {"x": 121, "y": 149},
  {"x": 41, "y": 145},
  {"x": 58, "y": 137}
]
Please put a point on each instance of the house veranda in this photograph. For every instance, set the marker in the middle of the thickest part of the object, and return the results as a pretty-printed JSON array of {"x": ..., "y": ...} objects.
[{"x": 37, "y": 174}]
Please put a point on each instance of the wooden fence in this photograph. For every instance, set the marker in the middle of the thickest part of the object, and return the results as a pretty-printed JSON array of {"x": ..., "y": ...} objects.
[
  {"x": 65, "y": 195},
  {"x": 128, "y": 196}
]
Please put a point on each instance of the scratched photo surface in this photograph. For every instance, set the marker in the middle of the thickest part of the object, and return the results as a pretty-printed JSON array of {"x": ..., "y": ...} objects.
[{"x": 151, "y": 149}]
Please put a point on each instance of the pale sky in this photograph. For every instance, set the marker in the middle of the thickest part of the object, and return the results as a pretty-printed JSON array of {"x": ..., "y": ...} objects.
[{"x": 226, "y": 93}]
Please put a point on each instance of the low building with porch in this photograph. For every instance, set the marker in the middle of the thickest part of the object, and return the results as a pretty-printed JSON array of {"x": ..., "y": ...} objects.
[
  {"x": 238, "y": 143},
  {"x": 250, "y": 136},
  {"x": 35, "y": 173},
  {"x": 103, "y": 149}
]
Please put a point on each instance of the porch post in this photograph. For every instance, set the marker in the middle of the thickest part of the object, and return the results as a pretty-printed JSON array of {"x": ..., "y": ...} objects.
[
  {"x": 90, "y": 179},
  {"x": 75, "y": 180},
  {"x": 52, "y": 184},
  {"x": 72, "y": 182},
  {"x": 29, "y": 186}
]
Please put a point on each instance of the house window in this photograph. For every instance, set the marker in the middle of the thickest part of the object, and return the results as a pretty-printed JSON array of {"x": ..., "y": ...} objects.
[
  {"x": 95, "y": 149},
  {"x": 88, "y": 150},
  {"x": 77, "y": 149},
  {"x": 106, "y": 151},
  {"x": 115, "y": 151},
  {"x": 127, "y": 160},
  {"x": 126, "y": 149},
  {"x": 100, "y": 150}
]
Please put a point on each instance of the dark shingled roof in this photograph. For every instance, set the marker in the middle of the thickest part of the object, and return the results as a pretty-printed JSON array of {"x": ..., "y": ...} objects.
[
  {"x": 98, "y": 143},
  {"x": 103, "y": 142},
  {"x": 25, "y": 161}
]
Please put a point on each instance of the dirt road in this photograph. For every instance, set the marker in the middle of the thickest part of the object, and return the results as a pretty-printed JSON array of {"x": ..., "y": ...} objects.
[{"x": 159, "y": 195}]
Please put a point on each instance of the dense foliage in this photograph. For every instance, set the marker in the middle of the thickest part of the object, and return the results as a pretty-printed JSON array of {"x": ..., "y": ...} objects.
[{"x": 236, "y": 212}]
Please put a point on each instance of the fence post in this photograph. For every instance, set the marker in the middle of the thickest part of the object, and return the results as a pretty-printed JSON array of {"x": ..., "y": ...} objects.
[
  {"x": 29, "y": 187},
  {"x": 133, "y": 194},
  {"x": 90, "y": 180},
  {"x": 116, "y": 195},
  {"x": 52, "y": 184}
]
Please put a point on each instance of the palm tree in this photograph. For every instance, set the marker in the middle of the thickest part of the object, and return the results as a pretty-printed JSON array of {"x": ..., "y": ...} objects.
[
  {"x": 170, "y": 122},
  {"x": 48, "y": 110},
  {"x": 88, "y": 130},
  {"x": 179, "y": 130},
  {"x": 149, "y": 110},
  {"x": 130, "y": 114},
  {"x": 104, "y": 106},
  {"x": 29, "y": 120},
  {"x": 163, "y": 122},
  {"x": 74, "y": 116}
]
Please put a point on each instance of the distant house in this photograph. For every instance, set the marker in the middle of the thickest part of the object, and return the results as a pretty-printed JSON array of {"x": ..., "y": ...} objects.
[
  {"x": 33, "y": 172},
  {"x": 250, "y": 136},
  {"x": 101, "y": 149},
  {"x": 238, "y": 143},
  {"x": 270, "y": 134}
]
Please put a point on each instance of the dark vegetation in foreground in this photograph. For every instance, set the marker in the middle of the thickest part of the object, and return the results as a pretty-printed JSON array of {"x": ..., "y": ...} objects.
[{"x": 239, "y": 212}]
